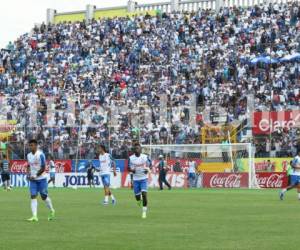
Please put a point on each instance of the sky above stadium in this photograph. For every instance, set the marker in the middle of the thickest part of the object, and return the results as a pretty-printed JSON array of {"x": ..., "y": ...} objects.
[{"x": 19, "y": 16}]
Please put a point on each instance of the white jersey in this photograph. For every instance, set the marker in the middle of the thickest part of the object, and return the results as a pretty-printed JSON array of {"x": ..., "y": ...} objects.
[
  {"x": 296, "y": 163},
  {"x": 52, "y": 167},
  {"x": 36, "y": 162},
  {"x": 139, "y": 164},
  {"x": 106, "y": 162},
  {"x": 192, "y": 167}
]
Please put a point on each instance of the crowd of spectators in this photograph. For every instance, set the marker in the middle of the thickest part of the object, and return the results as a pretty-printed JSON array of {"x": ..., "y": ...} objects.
[{"x": 202, "y": 58}]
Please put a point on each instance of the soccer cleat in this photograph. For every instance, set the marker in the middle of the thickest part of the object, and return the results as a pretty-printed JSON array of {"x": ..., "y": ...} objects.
[
  {"x": 105, "y": 203},
  {"x": 51, "y": 215},
  {"x": 114, "y": 201},
  {"x": 144, "y": 215},
  {"x": 139, "y": 203},
  {"x": 281, "y": 195},
  {"x": 33, "y": 219}
]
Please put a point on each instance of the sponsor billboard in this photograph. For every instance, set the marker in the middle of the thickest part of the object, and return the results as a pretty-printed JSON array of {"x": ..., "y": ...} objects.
[
  {"x": 272, "y": 180},
  {"x": 268, "y": 164},
  {"x": 66, "y": 180},
  {"x": 80, "y": 180},
  {"x": 61, "y": 166},
  {"x": 176, "y": 180},
  {"x": 265, "y": 123},
  {"x": 225, "y": 180},
  {"x": 17, "y": 180},
  {"x": 240, "y": 180}
]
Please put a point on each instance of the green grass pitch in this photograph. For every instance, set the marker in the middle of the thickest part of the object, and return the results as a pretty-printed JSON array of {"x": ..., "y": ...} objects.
[{"x": 177, "y": 219}]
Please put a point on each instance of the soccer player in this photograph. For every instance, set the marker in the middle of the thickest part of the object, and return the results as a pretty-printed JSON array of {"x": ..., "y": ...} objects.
[
  {"x": 38, "y": 180},
  {"x": 162, "y": 168},
  {"x": 5, "y": 173},
  {"x": 90, "y": 174},
  {"x": 139, "y": 165},
  {"x": 191, "y": 173},
  {"x": 52, "y": 171},
  {"x": 294, "y": 178},
  {"x": 106, "y": 163}
]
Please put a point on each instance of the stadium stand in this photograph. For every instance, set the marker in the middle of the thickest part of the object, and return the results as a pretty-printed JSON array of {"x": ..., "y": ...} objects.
[{"x": 212, "y": 58}]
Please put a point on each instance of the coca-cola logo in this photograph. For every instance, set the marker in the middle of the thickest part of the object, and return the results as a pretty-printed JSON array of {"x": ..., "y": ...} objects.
[
  {"x": 60, "y": 167},
  {"x": 18, "y": 167},
  {"x": 226, "y": 181},
  {"x": 271, "y": 181}
]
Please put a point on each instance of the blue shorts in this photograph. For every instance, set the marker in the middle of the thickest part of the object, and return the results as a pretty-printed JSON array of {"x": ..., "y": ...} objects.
[
  {"x": 294, "y": 180},
  {"x": 140, "y": 186},
  {"x": 105, "y": 180},
  {"x": 39, "y": 186},
  {"x": 52, "y": 175},
  {"x": 192, "y": 176}
]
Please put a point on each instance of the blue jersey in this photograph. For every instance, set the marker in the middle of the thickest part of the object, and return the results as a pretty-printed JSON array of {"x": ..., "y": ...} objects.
[
  {"x": 4, "y": 168},
  {"x": 36, "y": 162},
  {"x": 296, "y": 166}
]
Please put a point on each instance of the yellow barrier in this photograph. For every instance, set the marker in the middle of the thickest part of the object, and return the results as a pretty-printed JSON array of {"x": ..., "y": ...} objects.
[
  {"x": 122, "y": 12},
  {"x": 7, "y": 128},
  {"x": 215, "y": 167},
  {"x": 72, "y": 17}
]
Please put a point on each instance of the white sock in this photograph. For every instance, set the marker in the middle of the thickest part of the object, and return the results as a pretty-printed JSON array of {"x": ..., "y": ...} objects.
[
  {"x": 106, "y": 198},
  {"x": 299, "y": 196},
  {"x": 49, "y": 203},
  {"x": 112, "y": 196},
  {"x": 34, "y": 207},
  {"x": 283, "y": 190},
  {"x": 145, "y": 209}
]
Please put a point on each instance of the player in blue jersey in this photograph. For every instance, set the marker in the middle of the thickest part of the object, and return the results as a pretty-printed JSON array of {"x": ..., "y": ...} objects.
[
  {"x": 294, "y": 178},
  {"x": 5, "y": 173},
  {"x": 38, "y": 180},
  {"x": 107, "y": 164},
  {"x": 139, "y": 166}
]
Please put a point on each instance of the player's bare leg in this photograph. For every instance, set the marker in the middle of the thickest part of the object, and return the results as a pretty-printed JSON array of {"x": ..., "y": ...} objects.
[
  {"x": 298, "y": 191},
  {"x": 139, "y": 200},
  {"x": 49, "y": 205},
  {"x": 113, "y": 199},
  {"x": 108, "y": 194},
  {"x": 145, "y": 203},
  {"x": 34, "y": 205}
]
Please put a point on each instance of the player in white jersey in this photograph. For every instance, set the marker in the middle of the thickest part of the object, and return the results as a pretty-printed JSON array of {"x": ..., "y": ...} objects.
[
  {"x": 191, "y": 173},
  {"x": 139, "y": 165},
  {"x": 38, "y": 180},
  {"x": 294, "y": 177},
  {"x": 106, "y": 165},
  {"x": 52, "y": 171}
]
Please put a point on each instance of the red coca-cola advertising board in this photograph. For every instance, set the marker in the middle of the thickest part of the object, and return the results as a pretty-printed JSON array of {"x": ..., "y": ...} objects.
[
  {"x": 225, "y": 180},
  {"x": 240, "y": 180},
  {"x": 61, "y": 166},
  {"x": 272, "y": 180}
]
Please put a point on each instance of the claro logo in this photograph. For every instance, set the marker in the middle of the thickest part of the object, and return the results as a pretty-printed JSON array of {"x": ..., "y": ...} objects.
[{"x": 266, "y": 124}]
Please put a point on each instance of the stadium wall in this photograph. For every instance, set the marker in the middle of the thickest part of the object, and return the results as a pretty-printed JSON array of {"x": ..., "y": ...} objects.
[
  {"x": 69, "y": 17},
  {"x": 133, "y": 8}
]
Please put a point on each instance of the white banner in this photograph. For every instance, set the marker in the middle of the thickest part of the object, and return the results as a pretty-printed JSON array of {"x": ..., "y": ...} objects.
[
  {"x": 80, "y": 180},
  {"x": 67, "y": 180}
]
